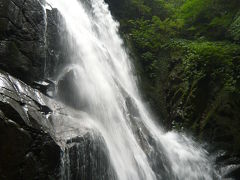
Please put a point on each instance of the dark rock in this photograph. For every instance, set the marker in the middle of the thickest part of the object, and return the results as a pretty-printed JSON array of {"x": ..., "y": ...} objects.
[
  {"x": 47, "y": 87},
  {"x": 22, "y": 38},
  {"x": 228, "y": 165},
  {"x": 34, "y": 129},
  {"x": 57, "y": 53},
  {"x": 234, "y": 173},
  {"x": 31, "y": 45},
  {"x": 27, "y": 150},
  {"x": 68, "y": 91},
  {"x": 88, "y": 158},
  {"x": 13, "y": 60}
]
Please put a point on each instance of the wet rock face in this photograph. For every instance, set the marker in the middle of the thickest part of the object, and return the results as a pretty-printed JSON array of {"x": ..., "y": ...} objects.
[
  {"x": 87, "y": 158},
  {"x": 34, "y": 129},
  {"x": 27, "y": 150},
  {"x": 26, "y": 153},
  {"x": 57, "y": 54},
  {"x": 229, "y": 165},
  {"x": 30, "y": 43},
  {"x": 22, "y": 30},
  {"x": 68, "y": 91}
]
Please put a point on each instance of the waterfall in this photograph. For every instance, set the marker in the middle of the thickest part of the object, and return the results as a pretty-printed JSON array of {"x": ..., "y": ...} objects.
[{"x": 105, "y": 89}]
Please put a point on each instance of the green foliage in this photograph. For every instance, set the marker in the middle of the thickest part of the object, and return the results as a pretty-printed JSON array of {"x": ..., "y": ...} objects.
[
  {"x": 192, "y": 9},
  {"x": 189, "y": 62},
  {"x": 149, "y": 36},
  {"x": 209, "y": 18},
  {"x": 235, "y": 28},
  {"x": 218, "y": 61},
  {"x": 208, "y": 93},
  {"x": 142, "y": 8}
]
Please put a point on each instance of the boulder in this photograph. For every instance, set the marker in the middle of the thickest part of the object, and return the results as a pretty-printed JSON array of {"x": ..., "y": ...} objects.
[
  {"x": 27, "y": 146},
  {"x": 68, "y": 91},
  {"x": 22, "y": 38},
  {"x": 41, "y": 138},
  {"x": 86, "y": 157},
  {"x": 31, "y": 41}
]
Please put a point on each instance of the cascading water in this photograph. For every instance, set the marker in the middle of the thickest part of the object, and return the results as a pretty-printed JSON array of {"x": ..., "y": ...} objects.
[{"x": 136, "y": 148}]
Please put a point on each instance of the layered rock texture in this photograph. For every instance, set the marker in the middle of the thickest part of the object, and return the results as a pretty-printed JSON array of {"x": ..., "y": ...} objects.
[
  {"x": 28, "y": 141},
  {"x": 29, "y": 39},
  {"x": 27, "y": 147},
  {"x": 35, "y": 130},
  {"x": 38, "y": 138},
  {"x": 22, "y": 36}
]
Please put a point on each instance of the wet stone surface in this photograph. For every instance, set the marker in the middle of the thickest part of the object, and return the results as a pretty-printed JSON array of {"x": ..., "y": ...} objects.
[{"x": 37, "y": 133}]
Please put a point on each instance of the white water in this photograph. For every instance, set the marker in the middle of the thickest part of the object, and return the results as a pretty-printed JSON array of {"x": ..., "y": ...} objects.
[{"x": 108, "y": 90}]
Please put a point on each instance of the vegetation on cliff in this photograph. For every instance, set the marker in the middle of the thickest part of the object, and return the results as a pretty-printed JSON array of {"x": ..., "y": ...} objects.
[{"x": 188, "y": 58}]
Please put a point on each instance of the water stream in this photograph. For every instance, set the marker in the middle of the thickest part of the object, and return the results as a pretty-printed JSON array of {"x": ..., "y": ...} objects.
[{"x": 135, "y": 147}]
